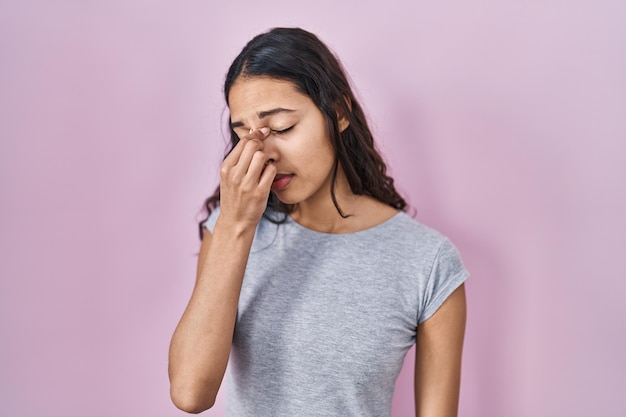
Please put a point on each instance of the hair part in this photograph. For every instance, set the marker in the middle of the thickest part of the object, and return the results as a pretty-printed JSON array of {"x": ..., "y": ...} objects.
[{"x": 298, "y": 56}]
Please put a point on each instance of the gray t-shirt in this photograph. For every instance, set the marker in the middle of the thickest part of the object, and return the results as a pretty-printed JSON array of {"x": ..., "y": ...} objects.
[{"x": 325, "y": 320}]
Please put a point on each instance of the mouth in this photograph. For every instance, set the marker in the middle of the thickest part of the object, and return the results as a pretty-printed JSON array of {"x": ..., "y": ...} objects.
[{"x": 281, "y": 181}]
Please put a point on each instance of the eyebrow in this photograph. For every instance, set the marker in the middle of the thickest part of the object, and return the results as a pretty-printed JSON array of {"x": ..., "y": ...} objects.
[{"x": 263, "y": 115}]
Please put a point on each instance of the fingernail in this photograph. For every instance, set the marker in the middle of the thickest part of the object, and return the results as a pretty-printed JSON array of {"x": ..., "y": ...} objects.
[{"x": 265, "y": 130}]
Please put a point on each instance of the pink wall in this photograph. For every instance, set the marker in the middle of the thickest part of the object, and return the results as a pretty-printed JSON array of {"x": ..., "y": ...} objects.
[{"x": 504, "y": 123}]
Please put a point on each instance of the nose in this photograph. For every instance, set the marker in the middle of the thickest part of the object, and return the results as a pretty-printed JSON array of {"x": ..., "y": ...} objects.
[{"x": 270, "y": 146}]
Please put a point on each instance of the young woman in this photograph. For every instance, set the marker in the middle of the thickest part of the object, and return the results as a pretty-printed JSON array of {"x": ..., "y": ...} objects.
[{"x": 311, "y": 279}]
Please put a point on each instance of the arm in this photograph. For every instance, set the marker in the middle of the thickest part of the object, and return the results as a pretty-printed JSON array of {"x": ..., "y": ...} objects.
[
  {"x": 201, "y": 343},
  {"x": 438, "y": 359}
]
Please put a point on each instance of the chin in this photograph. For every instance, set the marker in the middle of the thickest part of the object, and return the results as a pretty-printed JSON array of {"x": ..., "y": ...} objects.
[
  {"x": 288, "y": 201},
  {"x": 285, "y": 198}
]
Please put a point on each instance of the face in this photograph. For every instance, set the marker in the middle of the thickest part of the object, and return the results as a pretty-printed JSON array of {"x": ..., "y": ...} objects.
[{"x": 298, "y": 142}]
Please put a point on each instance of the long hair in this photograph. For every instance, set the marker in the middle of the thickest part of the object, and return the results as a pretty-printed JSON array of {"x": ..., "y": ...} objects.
[{"x": 298, "y": 56}]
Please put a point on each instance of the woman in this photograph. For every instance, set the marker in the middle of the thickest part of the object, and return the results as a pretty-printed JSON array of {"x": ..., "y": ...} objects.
[{"x": 311, "y": 276}]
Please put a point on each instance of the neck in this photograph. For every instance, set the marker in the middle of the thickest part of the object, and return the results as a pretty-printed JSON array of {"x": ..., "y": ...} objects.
[
  {"x": 363, "y": 213},
  {"x": 324, "y": 219},
  {"x": 320, "y": 213}
]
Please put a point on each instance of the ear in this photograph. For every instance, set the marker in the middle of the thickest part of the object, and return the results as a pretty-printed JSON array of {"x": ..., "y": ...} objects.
[
  {"x": 342, "y": 118},
  {"x": 343, "y": 121}
]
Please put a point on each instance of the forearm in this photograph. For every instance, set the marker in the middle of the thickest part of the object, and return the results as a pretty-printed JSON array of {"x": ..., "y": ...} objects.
[{"x": 201, "y": 342}]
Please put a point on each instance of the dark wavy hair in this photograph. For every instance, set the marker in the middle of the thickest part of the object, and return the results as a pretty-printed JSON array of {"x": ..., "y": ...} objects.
[{"x": 298, "y": 56}]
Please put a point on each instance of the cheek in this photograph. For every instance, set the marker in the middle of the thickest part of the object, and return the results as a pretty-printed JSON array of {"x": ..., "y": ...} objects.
[
  {"x": 310, "y": 148},
  {"x": 317, "y": 149},
  {"x": 324, "y": 149},
  {"x": 320, "y": 160}
]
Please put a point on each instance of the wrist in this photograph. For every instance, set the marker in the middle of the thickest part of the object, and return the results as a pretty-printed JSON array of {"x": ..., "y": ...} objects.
[{"x": 233, "y": 228}]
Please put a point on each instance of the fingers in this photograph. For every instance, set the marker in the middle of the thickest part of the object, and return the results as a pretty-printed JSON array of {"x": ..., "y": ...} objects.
[
  {"x": 253, "y": 159},
  {"x": 255, "y": 136},
  {"x": 267, "y": 177},
  {"x": 255, "y": 167},
  {"x": 245, "y": 179},
  {"x": 259, "y": 133},
  {"x": 252, "y": 148},
  {"x": 247, "y": 160}
]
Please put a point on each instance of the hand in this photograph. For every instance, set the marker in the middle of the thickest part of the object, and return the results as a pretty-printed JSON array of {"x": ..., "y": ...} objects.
[{"x": 245, "y": 180}]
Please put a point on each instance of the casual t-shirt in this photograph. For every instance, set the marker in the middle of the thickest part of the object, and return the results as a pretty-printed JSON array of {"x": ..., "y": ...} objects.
[{"x": 324, "y": 320}]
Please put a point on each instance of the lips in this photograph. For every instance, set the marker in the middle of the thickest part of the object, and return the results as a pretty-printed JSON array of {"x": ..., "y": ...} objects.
[{"x": 281, "y": 181}]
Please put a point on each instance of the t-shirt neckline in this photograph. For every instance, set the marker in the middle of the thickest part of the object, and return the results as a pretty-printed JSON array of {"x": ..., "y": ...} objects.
[{"x": 374, "y": 228}]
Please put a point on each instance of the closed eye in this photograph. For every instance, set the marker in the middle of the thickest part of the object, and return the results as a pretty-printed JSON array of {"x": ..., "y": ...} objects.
[{"x": 280, "y": 132}]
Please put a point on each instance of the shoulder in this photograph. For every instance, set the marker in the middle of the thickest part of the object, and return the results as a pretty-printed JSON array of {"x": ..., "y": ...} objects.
[
  {"x": 399, "y": 225},
  {"x": 409, "y": 231},
  {"x": 421, "y": 244}
]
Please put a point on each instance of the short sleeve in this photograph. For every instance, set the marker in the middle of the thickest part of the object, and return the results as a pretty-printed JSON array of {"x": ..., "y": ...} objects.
[
  {"x": 447, "y": 274},
  {"x": 209, "y": 224}
]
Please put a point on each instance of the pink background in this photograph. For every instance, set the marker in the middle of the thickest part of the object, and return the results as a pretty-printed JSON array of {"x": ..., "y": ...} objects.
[{"x": 504, "y": 123}]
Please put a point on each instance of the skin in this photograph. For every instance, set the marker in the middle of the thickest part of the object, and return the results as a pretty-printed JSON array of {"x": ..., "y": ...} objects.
[
  {"x": 283, "y": 134},
  {"x": 438, "y": 359}
]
